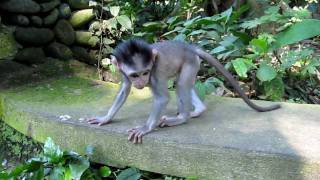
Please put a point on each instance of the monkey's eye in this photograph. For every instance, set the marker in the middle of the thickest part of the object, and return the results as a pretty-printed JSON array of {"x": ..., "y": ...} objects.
[
  {"x": 134, "y": 75},
  {"x": 145, "y": 73}
]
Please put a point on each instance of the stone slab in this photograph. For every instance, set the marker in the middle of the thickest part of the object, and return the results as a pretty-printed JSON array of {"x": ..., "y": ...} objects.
[{"x": 230, "y": 141}]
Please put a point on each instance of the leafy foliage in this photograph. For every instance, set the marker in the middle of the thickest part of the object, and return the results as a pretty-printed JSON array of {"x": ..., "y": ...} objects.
[{"x": 54, "y": 163}]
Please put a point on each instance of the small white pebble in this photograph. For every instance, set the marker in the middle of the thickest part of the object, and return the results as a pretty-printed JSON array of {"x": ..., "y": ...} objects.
[
  {"x": 64, "y": 117},
  {"x": 81, "y": 119}
]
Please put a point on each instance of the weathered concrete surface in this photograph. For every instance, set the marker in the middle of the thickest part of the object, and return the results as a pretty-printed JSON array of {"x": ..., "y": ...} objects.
[{"x": 230, "y": 141}]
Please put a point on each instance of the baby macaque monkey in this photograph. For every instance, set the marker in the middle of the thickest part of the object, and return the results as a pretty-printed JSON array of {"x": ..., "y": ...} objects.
[{"x": 152, "y": 65}]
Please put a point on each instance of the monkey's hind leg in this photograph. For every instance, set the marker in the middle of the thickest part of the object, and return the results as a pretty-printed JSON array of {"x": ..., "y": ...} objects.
[
  {"x": 184, "y": 86},
  {"x": 198, "y": 105}
]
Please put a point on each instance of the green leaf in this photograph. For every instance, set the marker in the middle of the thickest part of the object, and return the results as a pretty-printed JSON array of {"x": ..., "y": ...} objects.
[
  {"x": 153, "y": 26},
  {"x": 18, "y": 170},
  {"x": 89, "y": 150},
  {"x": 180, "y": 37},
  {"x": 259, "y": 46},
  {"x": 274, "y": 89},
  {"x": 78, "y": 167},
  {"x": 228, "y": 40},
  {"x": 226, "y": 14},
  {"x": 104, "y": 171},
  {"x": 240, "y": 67},
  {"x": 306, "y": 29},
  {"x": 110, "y": 23},
  {"x": 176, "y": 29},
  {"x": 213, "y": 35},
  {"x": 201, "y": 89},
  {"x": 170, "y": 84},
  {"x": 57, "y": 173},
  {"x": 200, "y": 31},
  {"x": 191, "y": 178},
  {"x": 114, "y": 10},
  {"x": 266, "y": 72},
  {"x": 4, "y": 175},
  {"x": 67, "y": 174},
  {"x": 124, "y": 21},
  {"x": 218, "y": 49},
  {"x": 209, "y": 87},
  {"x": 52, "y": 152},
  {"x": 38, "y": 174},
  {"x": 129, "y": 174}
]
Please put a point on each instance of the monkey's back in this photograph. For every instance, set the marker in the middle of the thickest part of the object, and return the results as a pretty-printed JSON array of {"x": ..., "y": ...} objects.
[{"x": 172, "y": 55}]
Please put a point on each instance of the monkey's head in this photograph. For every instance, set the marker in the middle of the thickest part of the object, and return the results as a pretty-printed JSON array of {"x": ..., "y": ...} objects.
[{"x": 135, "y": 59}]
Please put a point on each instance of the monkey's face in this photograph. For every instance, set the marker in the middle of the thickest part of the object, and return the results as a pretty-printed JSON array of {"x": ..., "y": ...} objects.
[{"x": 140, "y": 79}]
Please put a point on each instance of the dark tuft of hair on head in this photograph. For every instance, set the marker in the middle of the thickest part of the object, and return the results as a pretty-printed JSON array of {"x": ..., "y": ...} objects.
[{"x": 126, "y": 50}]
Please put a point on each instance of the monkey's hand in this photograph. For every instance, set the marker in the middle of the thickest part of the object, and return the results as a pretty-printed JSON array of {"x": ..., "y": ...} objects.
[
  {"x": 135, "y": 134},
  {"x": 99, "y": 120}
]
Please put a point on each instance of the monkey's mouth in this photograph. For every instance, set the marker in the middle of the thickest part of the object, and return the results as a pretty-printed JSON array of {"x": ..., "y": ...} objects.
[{"x": 139, "y": 86}]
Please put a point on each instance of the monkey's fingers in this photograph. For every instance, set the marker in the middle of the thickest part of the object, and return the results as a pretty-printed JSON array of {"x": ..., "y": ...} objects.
[
  {"x": 131, "y": 135},
  {"x": 140, "y": 138},
  {"x": 93, "y": 121},
  {"x": 104, "y": 122}
]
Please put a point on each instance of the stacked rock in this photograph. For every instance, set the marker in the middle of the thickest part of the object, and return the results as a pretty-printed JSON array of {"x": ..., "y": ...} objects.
[{"x": 50, "y": 28}]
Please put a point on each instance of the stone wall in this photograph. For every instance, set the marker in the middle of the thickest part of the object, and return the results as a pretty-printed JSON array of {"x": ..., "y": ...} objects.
[{"x": 47, "y": 28}]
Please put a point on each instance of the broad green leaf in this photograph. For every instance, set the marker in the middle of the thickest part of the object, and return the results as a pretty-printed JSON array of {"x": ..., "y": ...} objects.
[
  {"x": 201, "y": 90},
  {"x": 67, "y": 174},
  {"x": 237, "y": 13},
  {"x": 51, "y": 151},
  {"x": 259, "y": 46},
  {"x": 89, "y": 150},
  {"x": 218, "y": 49},
  {"x": 244, "y": 37},
  {"x": 110, "y": 23},
  {"x": 57, "y": 173},
  {"x": 18, "y": 170},
  {"x": 266, "y": 72},
  {"x": 200, "y": 31},
  {"x": 170, "y": 84},
  {"x": 274, "y": 89},
  {"x": 311, "y": 67},
  {"x": 216, "y": 27},
  {"x": 38, "y": 174},
  {"x": 228, "y": 40},
  {"x": 226, "y": 14},
  {"x": 305, "y": 29},
  {"x": 180, "y": 37},
  {"x": 153, "y": 26},
  {"x": 129, "y": 174},
  {"x": 124, "y": 21},
  {"x": 78, "y": 167},
  {"x": 210, "y": 88},
  {"x": 172, "y": 20},
  {"x": 213, "y": 35},
  {"x": 4, "y": 175},
  {"x": 191, "y": 21},
  {"x": 191, "y": 178},
  {"x": 176, "y": 29},
  {"x": 104, "y": 171},
  {"x": 240, "y": 67},
  {"x": 114, "y": 10}
]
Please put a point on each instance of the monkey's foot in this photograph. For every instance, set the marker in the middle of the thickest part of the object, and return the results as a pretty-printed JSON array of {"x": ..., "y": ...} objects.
[
  {"x": 135, "y": 134},
  {"x": 99, "y": 120},
  {"x": 172, "y": 121},
  {"x": 198, "y": 111}
]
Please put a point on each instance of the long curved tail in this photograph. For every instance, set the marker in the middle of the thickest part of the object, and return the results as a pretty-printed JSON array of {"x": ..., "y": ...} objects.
[{"x": 206, "y": 56}]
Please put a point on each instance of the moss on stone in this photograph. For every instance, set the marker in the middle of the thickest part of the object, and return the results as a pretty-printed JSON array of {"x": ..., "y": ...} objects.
[
  {"x": 8, "y": 45},
  {"x": 15, "y": 145}
]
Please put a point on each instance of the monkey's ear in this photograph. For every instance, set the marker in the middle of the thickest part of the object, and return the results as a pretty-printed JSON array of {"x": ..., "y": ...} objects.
[
  {"x": 154, "y": 54},
  {"x": 115, "y": 62}
]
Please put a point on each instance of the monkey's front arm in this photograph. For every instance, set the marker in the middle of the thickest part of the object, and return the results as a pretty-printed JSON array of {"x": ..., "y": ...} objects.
[
  {"x": 161, "y": 99},
  {"x": 117, "y": 104}
]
